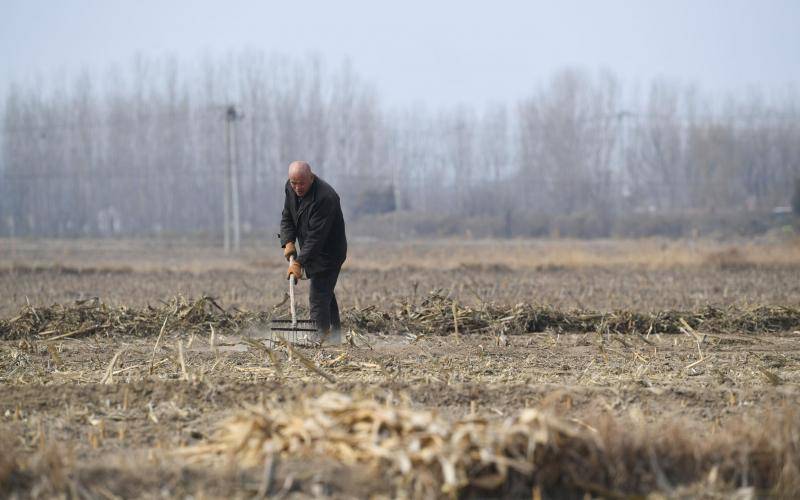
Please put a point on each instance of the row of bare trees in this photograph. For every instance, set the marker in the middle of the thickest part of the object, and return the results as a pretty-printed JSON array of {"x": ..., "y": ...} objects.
[{"x": 142, "y": 150}]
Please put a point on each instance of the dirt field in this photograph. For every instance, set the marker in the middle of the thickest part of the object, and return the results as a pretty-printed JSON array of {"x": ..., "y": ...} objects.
[{"x": 109, "y": 412}]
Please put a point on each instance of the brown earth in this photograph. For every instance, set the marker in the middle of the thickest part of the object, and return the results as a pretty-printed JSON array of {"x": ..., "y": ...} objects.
[
  {"x": 603, "y": 275},
  {"x": 71, "y": 429}
]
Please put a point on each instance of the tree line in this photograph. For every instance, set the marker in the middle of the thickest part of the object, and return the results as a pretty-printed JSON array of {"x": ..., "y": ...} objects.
[{"x": 142, "y": 150}]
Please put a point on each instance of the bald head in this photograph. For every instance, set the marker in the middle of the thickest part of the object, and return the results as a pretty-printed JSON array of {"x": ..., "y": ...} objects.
[
  {"x": 299, "y": 168},
  {"x": 300, "y": 177}
]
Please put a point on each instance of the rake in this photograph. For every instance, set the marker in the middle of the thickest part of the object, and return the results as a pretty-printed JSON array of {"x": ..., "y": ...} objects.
[{"x": 296, "y": 331}]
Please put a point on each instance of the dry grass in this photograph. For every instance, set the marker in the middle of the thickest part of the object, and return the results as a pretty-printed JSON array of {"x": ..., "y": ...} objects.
[
  {"x": 516, "y": 255},
  {"x": 126, "y": 256},
  {"x": 9, "y": 465}
]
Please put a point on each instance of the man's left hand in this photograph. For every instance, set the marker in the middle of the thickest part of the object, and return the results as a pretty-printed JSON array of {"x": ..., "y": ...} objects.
[
  {"x": 294, "y": 270},
  {"x": 289, "y": 250}
]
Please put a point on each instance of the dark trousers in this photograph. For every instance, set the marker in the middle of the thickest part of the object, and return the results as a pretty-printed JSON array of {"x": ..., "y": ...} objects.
[{"x": 322, "y": 301}]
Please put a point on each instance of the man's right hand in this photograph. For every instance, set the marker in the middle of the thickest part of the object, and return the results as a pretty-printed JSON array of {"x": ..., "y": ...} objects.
[{"x": 289, "y": 250}]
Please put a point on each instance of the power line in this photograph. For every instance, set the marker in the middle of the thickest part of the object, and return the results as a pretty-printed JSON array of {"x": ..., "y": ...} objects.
[
  {"x": 109, "y": 123},
  {"x": 148, "y": 120}
]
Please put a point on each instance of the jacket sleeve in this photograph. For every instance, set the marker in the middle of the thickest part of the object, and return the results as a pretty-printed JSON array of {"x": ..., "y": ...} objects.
[
  {"x": 320, "y": 221},
  {"x": 288, "y": 229}
]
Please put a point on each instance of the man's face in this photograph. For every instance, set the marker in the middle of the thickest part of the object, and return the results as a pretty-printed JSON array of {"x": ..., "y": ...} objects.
[{"x": 300, "y": 183}]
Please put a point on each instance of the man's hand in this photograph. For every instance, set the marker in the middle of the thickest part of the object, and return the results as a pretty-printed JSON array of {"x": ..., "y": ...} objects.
[
  {"x": 289, "y": 250},
  {"x": 294, "y": 270}
]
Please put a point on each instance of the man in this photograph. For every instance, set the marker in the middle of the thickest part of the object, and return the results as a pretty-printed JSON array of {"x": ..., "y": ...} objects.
[{"x": 312, "y": 218}]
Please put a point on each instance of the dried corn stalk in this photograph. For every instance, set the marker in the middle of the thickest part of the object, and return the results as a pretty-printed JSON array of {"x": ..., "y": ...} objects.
[{"x": 405, "y": 441}]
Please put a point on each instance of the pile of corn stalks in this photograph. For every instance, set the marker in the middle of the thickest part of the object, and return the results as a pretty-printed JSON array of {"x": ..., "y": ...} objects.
[
  {"x": 92, "y": 316},
  {"x": 426, "y": 455},
  {"x": 437, "y": 314},
  {"x": 423, "y": 452}
]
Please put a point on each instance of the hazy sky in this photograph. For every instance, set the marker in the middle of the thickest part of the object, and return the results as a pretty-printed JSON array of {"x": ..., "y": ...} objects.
[{"x": 434, "y": 52}]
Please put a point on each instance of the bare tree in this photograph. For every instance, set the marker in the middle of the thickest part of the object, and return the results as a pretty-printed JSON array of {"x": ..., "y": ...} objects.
[{"x": 143, "y": 151}]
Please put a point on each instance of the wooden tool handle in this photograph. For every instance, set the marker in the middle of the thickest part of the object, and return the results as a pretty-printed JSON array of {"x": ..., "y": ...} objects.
[{"x": 291, "y": 294}]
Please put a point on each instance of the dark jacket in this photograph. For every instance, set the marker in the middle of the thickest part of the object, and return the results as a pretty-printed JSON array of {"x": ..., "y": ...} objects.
[{"x": 316, "y": 224}]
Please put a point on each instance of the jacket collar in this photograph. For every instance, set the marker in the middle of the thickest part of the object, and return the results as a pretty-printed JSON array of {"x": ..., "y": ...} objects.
[{"x": 309, "y": 198}]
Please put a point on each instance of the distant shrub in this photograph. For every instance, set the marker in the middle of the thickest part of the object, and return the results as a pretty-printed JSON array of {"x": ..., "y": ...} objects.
[
  {"x": 375, "y": 201},
  {"x": 647, "y": 225},
  {"x": 583, "y": 225},
  {"x": 728, "y": 259},
  {"x": 530, "y": 225}
]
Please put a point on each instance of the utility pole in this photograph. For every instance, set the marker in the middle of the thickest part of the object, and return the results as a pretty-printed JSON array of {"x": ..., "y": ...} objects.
[
  {"x": 622, "y": 156},
  {"x": 231, "y": 196}
]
